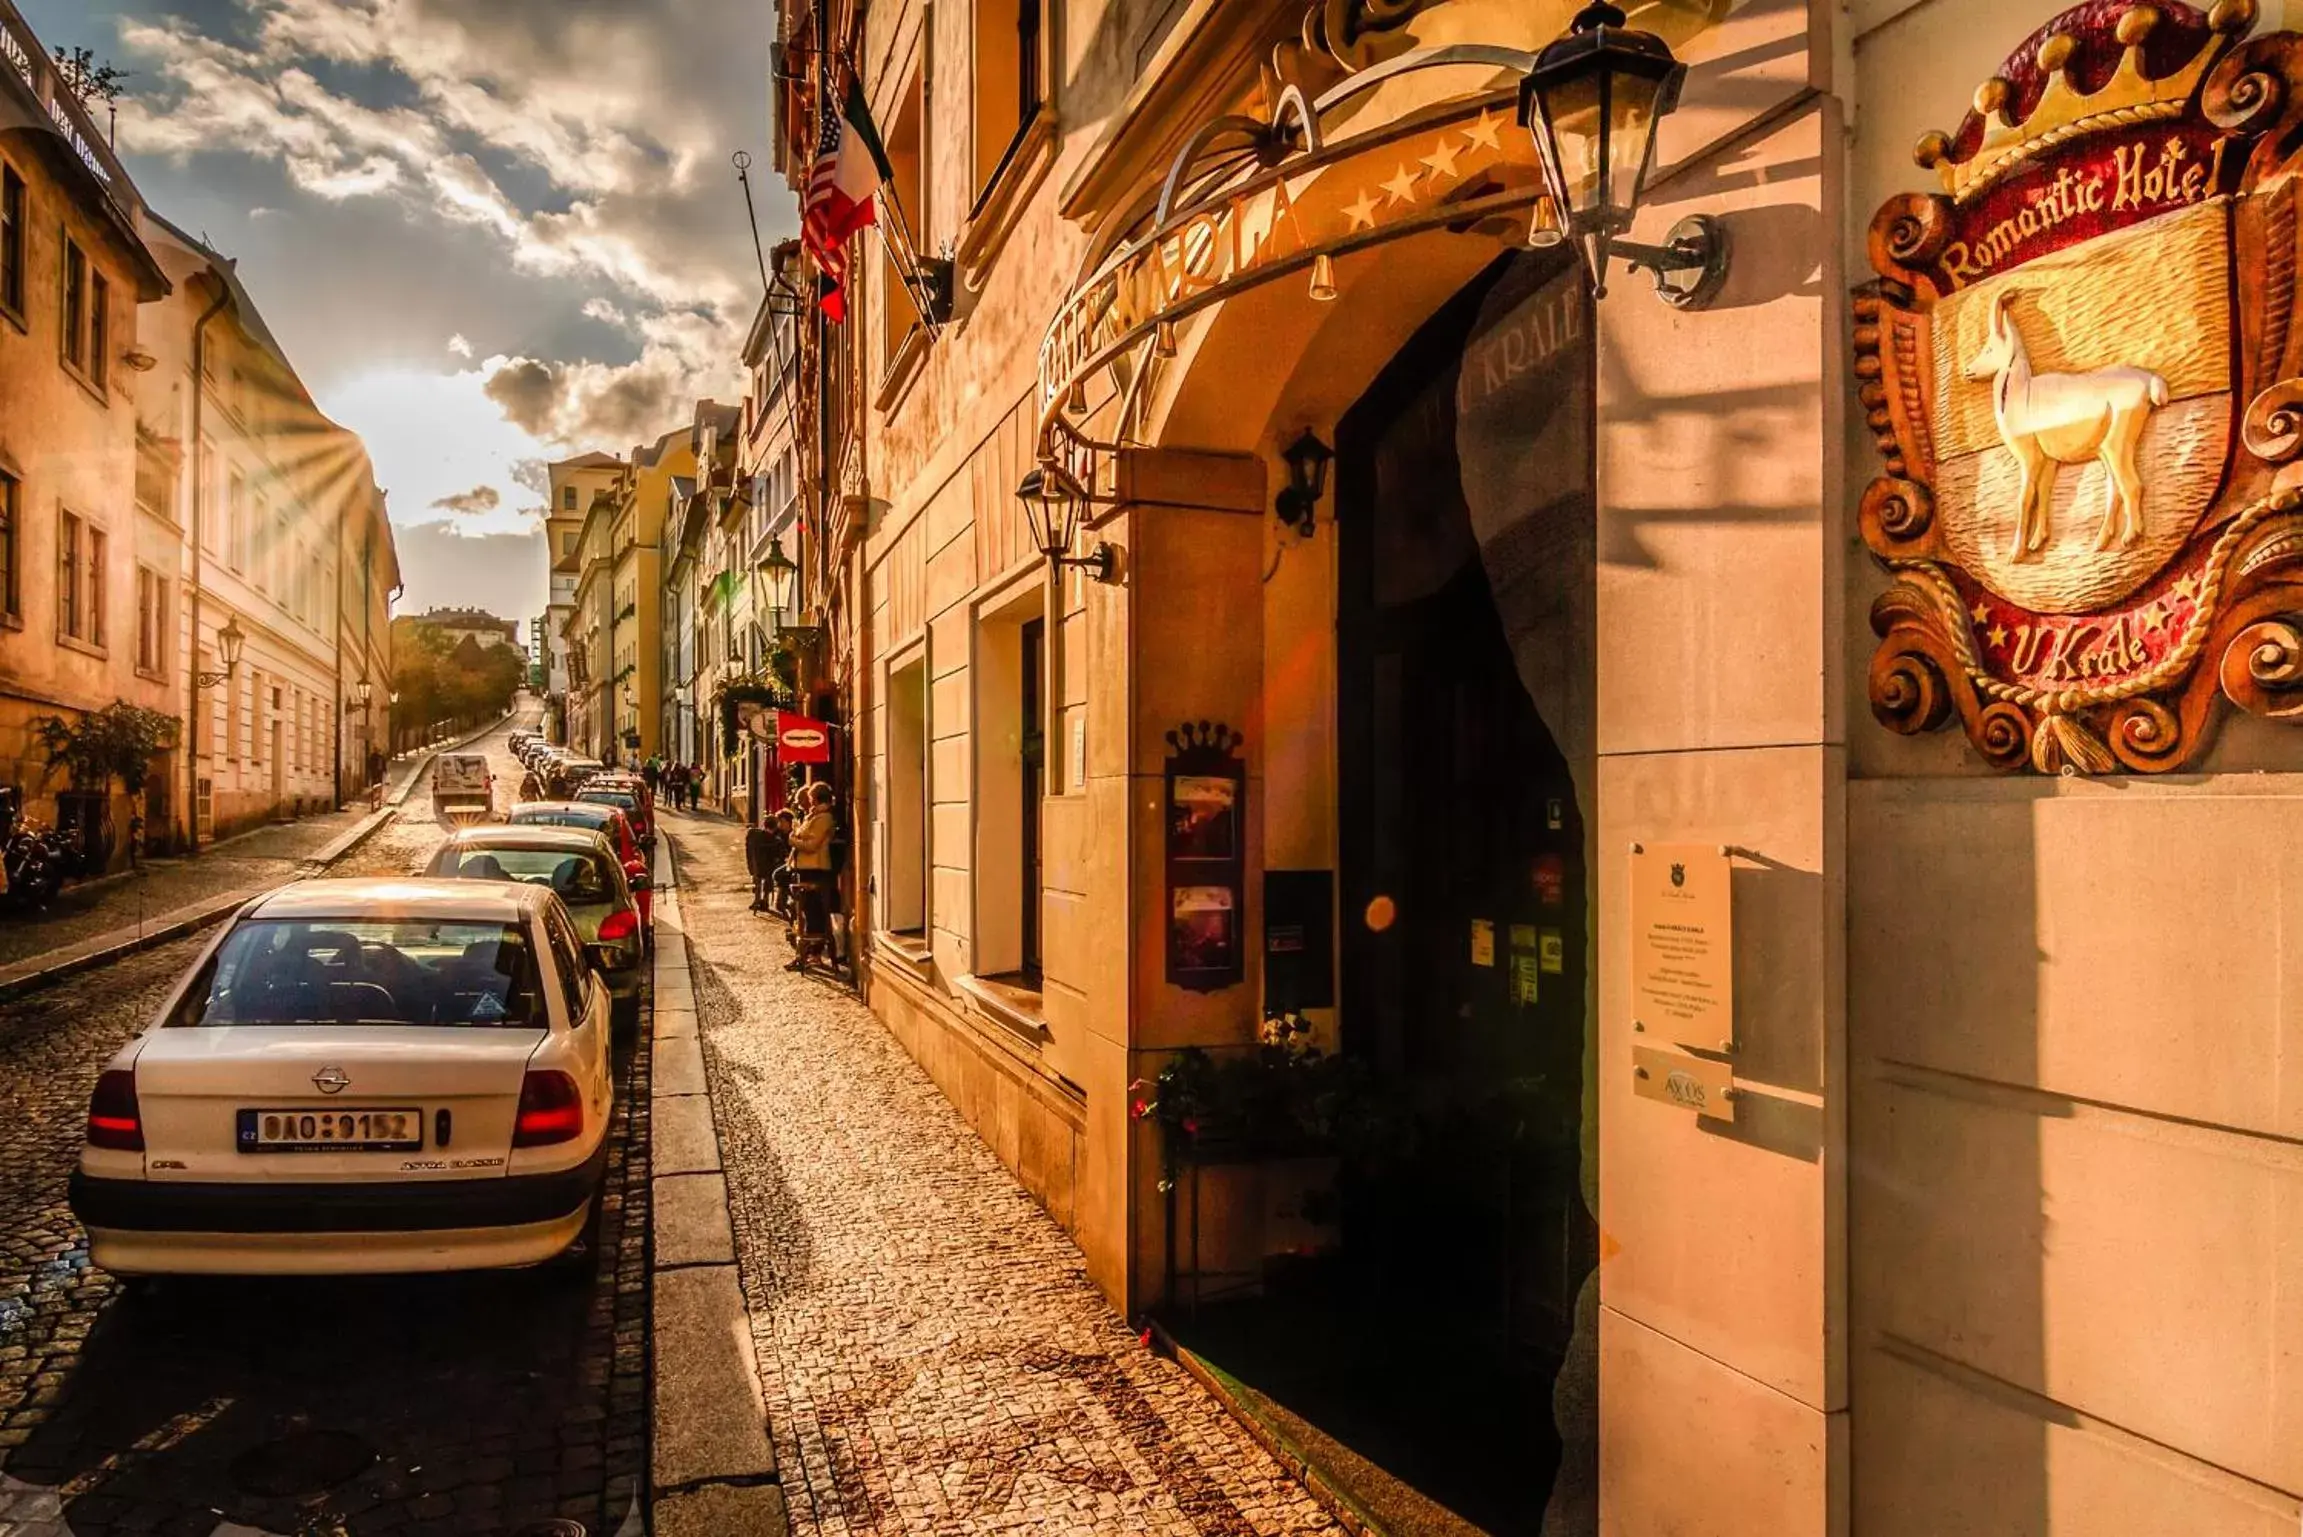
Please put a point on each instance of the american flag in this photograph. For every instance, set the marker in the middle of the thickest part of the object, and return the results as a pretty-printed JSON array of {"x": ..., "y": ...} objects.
[{"x": 848, "y": 170}]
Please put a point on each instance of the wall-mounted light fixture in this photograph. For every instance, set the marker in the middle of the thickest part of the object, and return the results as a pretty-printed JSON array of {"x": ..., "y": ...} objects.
[
  {"x": 1307, "y": 461},
  {"x": 229, "y": 640},
  {"x": 362, "y": 692},
  {"x": 1053, "y": 505},
  {"x": 1593, "y": 101}
]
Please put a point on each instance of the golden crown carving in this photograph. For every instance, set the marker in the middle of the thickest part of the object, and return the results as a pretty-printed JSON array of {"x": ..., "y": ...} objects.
[{"x": 2052, "y": 69}]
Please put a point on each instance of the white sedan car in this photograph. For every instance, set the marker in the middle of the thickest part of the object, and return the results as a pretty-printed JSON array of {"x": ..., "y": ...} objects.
[{"x": 359, "y": 1076}]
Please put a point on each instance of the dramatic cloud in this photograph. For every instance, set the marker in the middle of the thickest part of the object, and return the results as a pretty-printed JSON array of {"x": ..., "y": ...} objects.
[
  {"x": 533, "y": 475},
  {"x": 543, "y": 182},
  {"x": 472, "y": 503}
]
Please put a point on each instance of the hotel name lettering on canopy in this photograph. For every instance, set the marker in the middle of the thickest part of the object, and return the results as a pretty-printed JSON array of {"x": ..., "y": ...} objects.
[{"x": 1455, "y": 165}]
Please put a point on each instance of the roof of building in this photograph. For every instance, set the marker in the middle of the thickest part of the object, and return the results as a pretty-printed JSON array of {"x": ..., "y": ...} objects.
[{"x": 594, "y": 460}]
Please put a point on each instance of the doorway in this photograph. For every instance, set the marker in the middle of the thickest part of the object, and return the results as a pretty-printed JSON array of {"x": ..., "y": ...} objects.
[
  {"x": 1033, "y": 774},
  {"x": 1422, "y": 1364}
]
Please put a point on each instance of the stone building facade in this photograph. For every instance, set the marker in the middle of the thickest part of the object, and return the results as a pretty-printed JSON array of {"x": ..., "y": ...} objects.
[{"x": 1991, "y": 1240}]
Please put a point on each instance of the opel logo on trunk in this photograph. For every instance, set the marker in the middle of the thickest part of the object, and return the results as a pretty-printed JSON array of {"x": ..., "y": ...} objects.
[{"x": 331, "y": 1080}]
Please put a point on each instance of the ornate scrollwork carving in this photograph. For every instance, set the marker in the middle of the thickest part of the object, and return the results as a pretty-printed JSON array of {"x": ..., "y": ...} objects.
[
  {"x": 2262, "y": 669},
  {"x": 2002, "y": 733},
  {"x": 1896, "y": 512},
  {"x": 2272, "y": 429},
  {"x": 2246, "y": 92},
  {"x": 1909, "y": 694},
  {"x": 2145, "y": 735},
  {"x": 1910, "y": 230}
]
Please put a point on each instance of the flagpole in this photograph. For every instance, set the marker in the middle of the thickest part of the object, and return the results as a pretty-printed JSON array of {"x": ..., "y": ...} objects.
[{"x": 907, "y": 259}]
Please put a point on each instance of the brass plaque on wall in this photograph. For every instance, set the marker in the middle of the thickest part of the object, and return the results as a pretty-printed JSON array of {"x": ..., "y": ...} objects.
[
  {"x": 1691, "y": 1083},
  {"x": 1682, "y": 943}
]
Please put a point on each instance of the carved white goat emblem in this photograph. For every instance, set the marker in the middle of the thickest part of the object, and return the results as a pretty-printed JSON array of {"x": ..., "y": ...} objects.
[{"x": 2050, "y": 420}]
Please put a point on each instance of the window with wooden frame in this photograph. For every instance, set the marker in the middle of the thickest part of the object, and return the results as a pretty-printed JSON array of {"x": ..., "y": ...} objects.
[
  {"x": 904, "y": 890},
  {"x": 12, "y": 242},
  {"x": 81, "y": 551},
  {"x": 151, "y": 621},
  {"x": 907, "y": 158},
  {"x": 75, "y": 305},
  {"x": 11, "y": 549},
  {"x": 236, "y": 524},
  {"x": 1008, "y": 89}
]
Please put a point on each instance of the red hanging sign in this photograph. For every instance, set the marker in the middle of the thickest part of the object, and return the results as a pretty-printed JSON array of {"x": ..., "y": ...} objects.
[{"x": 801, "y": 740}]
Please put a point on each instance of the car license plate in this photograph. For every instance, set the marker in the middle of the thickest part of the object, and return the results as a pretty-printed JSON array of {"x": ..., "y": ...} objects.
[{"x": 395, "y": 1130}]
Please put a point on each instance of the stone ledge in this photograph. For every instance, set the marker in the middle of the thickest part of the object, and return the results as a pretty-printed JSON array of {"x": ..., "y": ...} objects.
[
  {"x": 684, "y": 1140},
  {"x": 678, "y": 1066},
  {"x": 723, "y": 1510}
]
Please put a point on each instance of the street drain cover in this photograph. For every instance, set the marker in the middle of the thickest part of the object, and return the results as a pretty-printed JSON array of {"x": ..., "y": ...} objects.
[
  {"x": 303, "y": 1465},
  {"x": 558, "y": 1526}
]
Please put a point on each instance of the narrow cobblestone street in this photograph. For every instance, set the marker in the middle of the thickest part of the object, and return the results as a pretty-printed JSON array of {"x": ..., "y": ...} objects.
[
  {"x": 934, "y": 1358},
  {"x": 448, "y": 1406}
]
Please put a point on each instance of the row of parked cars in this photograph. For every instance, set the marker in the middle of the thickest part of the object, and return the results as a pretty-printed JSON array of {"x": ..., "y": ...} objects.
[{"x": 389, "y": 1075}]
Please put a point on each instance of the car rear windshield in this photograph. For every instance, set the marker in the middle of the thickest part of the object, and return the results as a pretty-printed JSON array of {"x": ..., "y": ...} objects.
[
  {"x": 564, "y": 816},
  {"x": 616, "y": 798},
  {"x": 359, "y": 971},
  {"x": 578, "y": 878}
]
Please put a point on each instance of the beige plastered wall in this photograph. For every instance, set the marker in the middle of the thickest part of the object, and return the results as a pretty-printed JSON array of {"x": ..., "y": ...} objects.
[{"x": 2075, "y": 1192}]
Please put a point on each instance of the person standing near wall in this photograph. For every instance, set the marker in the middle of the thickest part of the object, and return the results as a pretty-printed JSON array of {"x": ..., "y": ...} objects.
[{"x": 813, "y": 876}]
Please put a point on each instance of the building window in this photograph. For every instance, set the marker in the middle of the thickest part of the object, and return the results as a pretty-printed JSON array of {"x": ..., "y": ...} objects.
[
  {"x": 151, "y": 621},
  {"x": 75, "y": 305},
  {"x": 906, "y": 157},
  {"x": 11, "y": 241},
  {"x": 11, "y": 586},
  {"x": 567, "y": 498},
  {"x": 80, "y": 556},
  {"x": 1010, "y": 749},
  {"x": 1007, "y": 82},
  {"x": 904, "y": 907},
  {"x": 236, "y": 524},
  {"x": 99, "y": 329}
]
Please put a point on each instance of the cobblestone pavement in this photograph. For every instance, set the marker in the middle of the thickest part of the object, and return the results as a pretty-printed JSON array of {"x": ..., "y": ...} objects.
[
  {"x": 933, "y": 1356},
  {"x": 447, "y": 1406}
]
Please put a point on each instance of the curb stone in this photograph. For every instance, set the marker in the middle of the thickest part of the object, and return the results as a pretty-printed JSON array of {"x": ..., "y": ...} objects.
[{"x": 713, "y": 1467}]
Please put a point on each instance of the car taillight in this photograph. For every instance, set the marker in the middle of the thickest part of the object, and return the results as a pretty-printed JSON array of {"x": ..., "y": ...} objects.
[
  {"x": 113, "y": 1118},
  {"x": 620, "y": 924},
  {"x": 551, "y": 1109}
]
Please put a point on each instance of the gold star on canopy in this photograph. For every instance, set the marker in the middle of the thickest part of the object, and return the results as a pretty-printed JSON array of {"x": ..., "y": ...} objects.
[
  {"x": 1488, "y": 131},
  {"x": 2186, "y": 586},
  {"x": 1442, "y": 161},
  {"x": 1402, "y": 186},
  {"x": 1362, "y": 213},
  {"x": 1998, "y": 635},
  {"x": 1981, "y": 611},
  {"x": 2156, "y": 615}
]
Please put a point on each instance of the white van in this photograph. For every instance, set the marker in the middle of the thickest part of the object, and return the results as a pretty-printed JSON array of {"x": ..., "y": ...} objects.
[{"x": 462, "y": 787}]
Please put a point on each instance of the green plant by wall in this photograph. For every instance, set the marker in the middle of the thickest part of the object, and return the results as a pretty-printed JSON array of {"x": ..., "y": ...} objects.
[{"x": 117, "y": 742}]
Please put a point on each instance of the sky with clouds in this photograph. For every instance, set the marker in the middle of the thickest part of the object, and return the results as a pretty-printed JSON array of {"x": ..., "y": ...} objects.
[{"x": 488, "y": 232}]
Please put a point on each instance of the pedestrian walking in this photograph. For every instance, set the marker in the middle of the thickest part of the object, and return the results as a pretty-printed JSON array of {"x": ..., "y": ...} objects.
[
  {"x": 676, "y": 782},
  {"x": 766, "y": 846},
  {"x": 652, "y": 773},
  {"x": 813, "y": 876}
]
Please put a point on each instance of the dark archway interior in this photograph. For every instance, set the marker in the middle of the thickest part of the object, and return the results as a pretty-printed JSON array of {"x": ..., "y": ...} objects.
[{"x": 1420, "y": 1361}]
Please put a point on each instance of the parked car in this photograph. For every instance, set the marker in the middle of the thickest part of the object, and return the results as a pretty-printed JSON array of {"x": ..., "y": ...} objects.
[
  {"x": 359, "y": 1077},
  {"x": 463, "y": 786},
  {"x": 606, "y": 820},
  {"x": 580, "y": 867},
  {"x": 631, "y": 801}
]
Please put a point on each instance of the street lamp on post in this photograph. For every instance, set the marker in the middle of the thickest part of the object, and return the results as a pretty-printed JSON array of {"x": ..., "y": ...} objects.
[
  {"x": 1593, "y": 101},
  {"x": 1053, "y": 506}
]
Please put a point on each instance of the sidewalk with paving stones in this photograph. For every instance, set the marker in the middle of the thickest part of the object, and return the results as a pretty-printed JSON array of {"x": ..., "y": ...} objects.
[{"x": 932, "y": 1355}]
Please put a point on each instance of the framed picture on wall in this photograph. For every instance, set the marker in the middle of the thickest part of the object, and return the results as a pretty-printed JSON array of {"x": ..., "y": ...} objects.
[
  {"x": 1206, "y": 857},
  {"x": 1206, "y": 817}
]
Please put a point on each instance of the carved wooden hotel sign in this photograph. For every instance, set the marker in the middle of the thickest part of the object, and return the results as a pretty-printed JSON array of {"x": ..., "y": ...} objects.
[{"x": 2082, "y": 367}]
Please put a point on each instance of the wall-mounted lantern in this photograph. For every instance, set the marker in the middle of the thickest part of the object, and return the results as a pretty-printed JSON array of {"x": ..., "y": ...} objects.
[
  {"x": 229, "y": 640},
  {"x": 1593, "y": 101},
  {"x": 1053, "y": 504},
  {"x": 1307, "y": 461}
]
